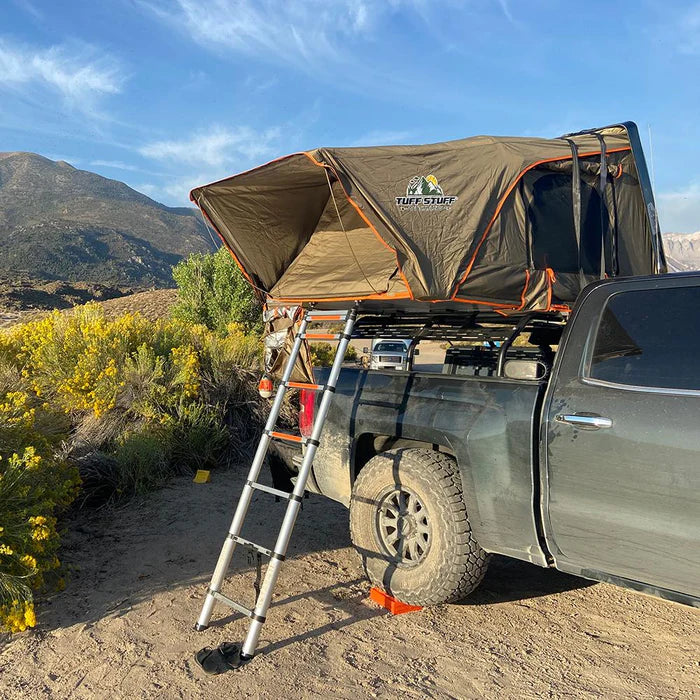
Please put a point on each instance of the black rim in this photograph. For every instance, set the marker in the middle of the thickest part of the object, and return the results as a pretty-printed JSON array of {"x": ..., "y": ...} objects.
[{"x": 403, "y": 525}]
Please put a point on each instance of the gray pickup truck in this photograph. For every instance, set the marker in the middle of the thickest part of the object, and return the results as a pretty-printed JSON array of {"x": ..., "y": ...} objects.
[{"x": 569, "y": 442}]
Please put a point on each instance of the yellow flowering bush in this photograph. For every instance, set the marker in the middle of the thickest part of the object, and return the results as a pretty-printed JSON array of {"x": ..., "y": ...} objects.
[
  {"x": 75, "y": 359},
  {"x": 17, "y": 615},
  {"x": 32, "y": 488},
  {"x": 127, "y": 400},
  {"x": 185, "y": 361}
]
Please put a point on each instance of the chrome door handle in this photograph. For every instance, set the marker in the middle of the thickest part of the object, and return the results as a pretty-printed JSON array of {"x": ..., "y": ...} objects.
[{"x": 587, "y": 422}]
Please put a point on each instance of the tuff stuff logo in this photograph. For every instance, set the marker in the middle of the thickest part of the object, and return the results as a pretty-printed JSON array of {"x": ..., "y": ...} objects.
[{"x": 424, "y": 193}]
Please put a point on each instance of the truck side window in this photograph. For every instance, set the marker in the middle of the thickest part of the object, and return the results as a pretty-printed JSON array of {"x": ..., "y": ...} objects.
[{"x": 650, "y": 338}]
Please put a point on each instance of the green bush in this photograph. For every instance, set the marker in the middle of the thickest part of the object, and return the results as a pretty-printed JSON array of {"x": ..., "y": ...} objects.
[
  {"x": 322, "y": 354},
  {"x": 142, "y": 460},
  {"x": 213, "y": 292}
]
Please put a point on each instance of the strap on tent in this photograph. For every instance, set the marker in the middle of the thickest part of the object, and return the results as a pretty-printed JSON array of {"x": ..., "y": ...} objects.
[
  {"x": 614, "y": 267},
  {"x": 603, "y": 185},
  {"x": 576, "y": 199}
]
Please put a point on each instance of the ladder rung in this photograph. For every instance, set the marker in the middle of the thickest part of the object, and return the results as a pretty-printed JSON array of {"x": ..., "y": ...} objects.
[
  {"x": 232, "y": 604},
  {"x": 247, "y": 543},
  {"x": 275, "y": 492},
  {"x": 322, "y": 336},
  {"x": 306, "y": 385},
  {"x": 327, "y": 315},
  {"x": 287, "y": 437},
  {"x": 330, "y": 317}
]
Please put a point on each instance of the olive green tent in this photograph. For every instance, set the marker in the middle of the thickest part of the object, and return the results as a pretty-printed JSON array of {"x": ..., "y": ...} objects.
[{"x": 507, "y": 223}]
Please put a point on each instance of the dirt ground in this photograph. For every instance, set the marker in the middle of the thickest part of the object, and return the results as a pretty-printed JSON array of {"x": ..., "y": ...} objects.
[{"x": 124, "y": 626}]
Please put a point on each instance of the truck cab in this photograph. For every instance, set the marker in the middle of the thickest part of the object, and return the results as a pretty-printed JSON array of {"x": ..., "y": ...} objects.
[{"x": 570, "y": 442}]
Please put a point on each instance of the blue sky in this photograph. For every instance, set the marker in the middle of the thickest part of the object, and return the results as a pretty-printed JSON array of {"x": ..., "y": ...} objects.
[{"x": 168, "y": 94}]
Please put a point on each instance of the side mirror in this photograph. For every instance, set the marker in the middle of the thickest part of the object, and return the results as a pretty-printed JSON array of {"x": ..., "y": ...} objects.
[
  {"x": 365, "y": 350},
  {"x": 524, "y": 369},
  {"x": 416, "y": 352}
]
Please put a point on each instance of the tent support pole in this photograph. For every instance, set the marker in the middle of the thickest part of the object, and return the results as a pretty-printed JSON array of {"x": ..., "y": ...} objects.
[
  {"x": 576, "y": 201},
  {"x": 603, "y": 185}
]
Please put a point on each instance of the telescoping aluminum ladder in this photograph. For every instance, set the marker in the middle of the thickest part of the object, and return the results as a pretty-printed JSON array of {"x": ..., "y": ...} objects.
[{"x": 277, "y": 555}]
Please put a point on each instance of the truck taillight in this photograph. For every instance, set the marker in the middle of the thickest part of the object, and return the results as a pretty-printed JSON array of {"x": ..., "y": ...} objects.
[{"x": 307, "y": 406}]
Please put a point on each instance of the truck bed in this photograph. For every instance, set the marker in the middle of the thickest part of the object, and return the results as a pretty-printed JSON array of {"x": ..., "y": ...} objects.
[{"x": 485, "y": 422}]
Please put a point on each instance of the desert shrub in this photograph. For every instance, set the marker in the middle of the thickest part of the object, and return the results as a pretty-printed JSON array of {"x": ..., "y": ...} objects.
[
  {"x": 75, "y": 360},
  {"x": 322, "y": 354},
  {"x": 199, "y": 437},
  {"x": 143, "y": 461},
  {"x": 213, "y": 292}
]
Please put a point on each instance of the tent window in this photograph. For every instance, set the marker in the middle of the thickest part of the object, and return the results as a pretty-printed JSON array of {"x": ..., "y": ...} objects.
[{"x": 551, "y": 220}]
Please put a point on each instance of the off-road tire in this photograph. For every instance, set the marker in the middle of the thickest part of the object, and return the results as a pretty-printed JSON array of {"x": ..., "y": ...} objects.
[{"x": 454, "y": 564}]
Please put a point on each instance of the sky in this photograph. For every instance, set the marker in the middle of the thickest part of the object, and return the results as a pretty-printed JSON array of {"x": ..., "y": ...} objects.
[{"x": 169, "y": 94}]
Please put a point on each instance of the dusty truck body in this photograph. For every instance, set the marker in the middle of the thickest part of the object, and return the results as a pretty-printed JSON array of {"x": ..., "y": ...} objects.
[
  {"x": 588, "y": 462},
  {"x": 579, "y": 448}
]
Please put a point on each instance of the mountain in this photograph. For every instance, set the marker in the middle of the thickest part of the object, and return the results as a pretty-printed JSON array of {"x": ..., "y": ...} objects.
[
  {"x": 61, "y": 223},
  {"x": 682, "y": 251}
]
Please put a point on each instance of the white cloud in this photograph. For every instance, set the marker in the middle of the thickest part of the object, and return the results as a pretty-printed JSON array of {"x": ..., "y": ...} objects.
[
  {"x": 78, "y": 73},
  {"x": 116, "y": 164},
  {"x": 506, "y": 11},
  {"x": 29, "y": 8},
  {"x": 215, "y": 147},
  {"x": 176, "y": 191},
  {"x": 207, "y": 155},
  {"x": 295, "y": 30},
  {"x": 679, "y": 211}
]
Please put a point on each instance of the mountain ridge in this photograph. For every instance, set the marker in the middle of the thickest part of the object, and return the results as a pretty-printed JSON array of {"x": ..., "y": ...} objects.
[
  {"x": 682, "y": 250},
  {"x": 58, "y": 222}
]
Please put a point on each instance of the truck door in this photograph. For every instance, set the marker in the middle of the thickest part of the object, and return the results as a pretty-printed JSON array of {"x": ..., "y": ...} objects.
[{"x": 621, "y": 429}]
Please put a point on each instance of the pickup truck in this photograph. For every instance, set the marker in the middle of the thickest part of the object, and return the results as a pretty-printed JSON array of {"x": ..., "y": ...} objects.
[
  {"x": 388, "y": 354},
  {"x": 578, "y": 450}
]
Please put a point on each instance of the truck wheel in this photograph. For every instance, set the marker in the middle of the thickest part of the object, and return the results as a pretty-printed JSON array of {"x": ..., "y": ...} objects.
[{"x": 409, "y": 523}]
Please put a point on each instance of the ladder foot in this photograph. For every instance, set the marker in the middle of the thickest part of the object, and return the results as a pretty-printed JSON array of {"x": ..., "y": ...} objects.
[{"x": 200, "y": 628}]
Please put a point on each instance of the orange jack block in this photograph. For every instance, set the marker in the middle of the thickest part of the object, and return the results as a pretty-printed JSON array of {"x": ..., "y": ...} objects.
[{"x": 394, "y": 606}]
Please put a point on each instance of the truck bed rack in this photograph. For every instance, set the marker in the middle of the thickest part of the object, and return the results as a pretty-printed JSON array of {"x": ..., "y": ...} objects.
[{"x": 474, "y": 327}]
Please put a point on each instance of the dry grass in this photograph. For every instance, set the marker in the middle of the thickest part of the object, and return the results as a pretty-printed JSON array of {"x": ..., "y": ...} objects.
[{"x": 153, "y": 305}]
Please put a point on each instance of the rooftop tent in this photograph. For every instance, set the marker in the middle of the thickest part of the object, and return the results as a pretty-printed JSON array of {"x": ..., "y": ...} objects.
[{"x": 507, "y": 223}]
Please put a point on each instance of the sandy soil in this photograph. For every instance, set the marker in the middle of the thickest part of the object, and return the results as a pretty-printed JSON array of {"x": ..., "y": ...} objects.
[{"x": 123, "y": 627}]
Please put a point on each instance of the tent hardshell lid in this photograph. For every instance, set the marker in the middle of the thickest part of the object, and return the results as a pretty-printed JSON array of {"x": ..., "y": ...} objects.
[{"x": 509, "y": 223}]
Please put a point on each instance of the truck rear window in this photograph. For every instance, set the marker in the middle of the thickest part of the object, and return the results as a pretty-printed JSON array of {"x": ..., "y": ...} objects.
[{"x": 650, "y": 338}]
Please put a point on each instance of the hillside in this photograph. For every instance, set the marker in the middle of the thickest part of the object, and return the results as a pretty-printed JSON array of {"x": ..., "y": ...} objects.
[
  {"x": 61, "y": 223},
  {"x": 683, "y": 250}
]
